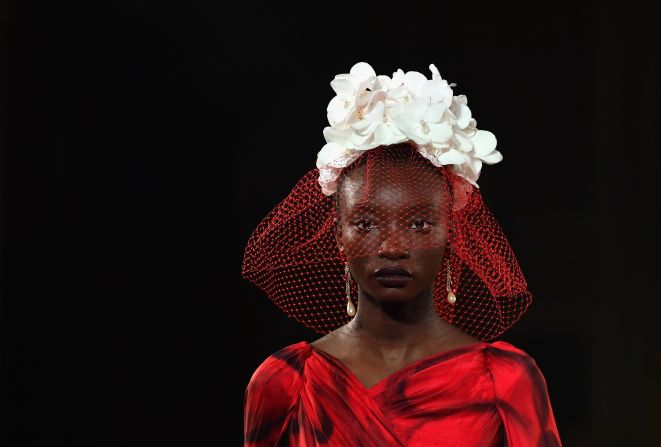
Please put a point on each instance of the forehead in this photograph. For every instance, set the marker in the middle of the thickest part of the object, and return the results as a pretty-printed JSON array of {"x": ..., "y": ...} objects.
[{"x": 394, "y": 187}]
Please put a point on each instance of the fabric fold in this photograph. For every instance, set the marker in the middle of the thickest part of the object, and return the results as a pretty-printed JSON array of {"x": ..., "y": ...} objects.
[{"x": 484, "y": 394}]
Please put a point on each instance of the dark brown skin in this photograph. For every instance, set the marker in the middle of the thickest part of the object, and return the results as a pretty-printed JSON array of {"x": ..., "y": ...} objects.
[{"x": 393, "y": 327}]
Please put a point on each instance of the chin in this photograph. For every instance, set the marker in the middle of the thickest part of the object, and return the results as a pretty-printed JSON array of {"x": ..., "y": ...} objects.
[{"x": 393, "y": 294}]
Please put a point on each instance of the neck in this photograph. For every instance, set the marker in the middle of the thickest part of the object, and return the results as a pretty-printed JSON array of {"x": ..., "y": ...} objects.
[{"x": 398, "y": 324}]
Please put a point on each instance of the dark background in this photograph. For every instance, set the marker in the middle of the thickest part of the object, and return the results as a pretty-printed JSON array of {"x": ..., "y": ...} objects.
[{"x": 142, "y": 143}]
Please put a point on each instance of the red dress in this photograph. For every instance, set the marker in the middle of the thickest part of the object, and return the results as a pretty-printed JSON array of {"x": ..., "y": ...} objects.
[{"x": 483, "y": 394}]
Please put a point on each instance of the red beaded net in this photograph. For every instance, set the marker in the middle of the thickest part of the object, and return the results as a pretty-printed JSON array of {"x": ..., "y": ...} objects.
[{"x": 392, "y": 206}]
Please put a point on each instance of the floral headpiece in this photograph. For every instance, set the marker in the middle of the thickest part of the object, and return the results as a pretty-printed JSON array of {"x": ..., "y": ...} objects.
[{"x": 371, "y": 111}]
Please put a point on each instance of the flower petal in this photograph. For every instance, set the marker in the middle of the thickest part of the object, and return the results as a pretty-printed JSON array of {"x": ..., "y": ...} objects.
[
  {"x": 414, "y": 81},
  {"x": 434, "y": 72},
  {"x": 416, "y": 109},
  {"x": 463, "y": 115},
  {"x": 335, "y": 135},
  {"x": 338, "y": 110},
  {"x": 461, "y": 99},
  {"x": 360, "y": 126},
  {"x": 361, "y": 139},
  {"x": 328, "y": 153},
  {"x": 395, "y": 130},
  {"x": 476, "y": 165},
  {"x": 372, "y": 97},
  {"x": 363, "y": 72},
  {"x": 435, "y": 112},
  {"x": 452, "y": 157},
  {"x": 376, "y": 114},
  {"x": 462, "y": 142},
  {"x": 370, "y": 144},
  {"x": 419, "y": 136},
  {"x": 440, "y": 132},
  {"x": 484, "y": 142},
  {"x": 343, "y": 86},
  {"x": 436, "y": 90},
  {"x": 383, "y": 134},
  {"x": 439, "y": 147},
  {"x": 404, "y": 123},
  {"x": 492, "y": 158},
  {"x": 382, "y": 83},
  {"x": 397, "y": 79}
]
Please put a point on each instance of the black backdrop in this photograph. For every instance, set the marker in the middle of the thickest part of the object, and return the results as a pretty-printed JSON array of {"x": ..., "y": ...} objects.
[{"x": 143, "y": 142}]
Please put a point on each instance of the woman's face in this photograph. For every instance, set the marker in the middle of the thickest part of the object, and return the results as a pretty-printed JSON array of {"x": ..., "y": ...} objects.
[{"x": 398, "y": 218}]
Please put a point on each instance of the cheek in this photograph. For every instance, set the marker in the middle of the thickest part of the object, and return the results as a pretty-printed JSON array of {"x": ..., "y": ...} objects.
[
  {"x": 432, "y": 260},
  {"x": 359, "y": 263},
  {"x": 358, "y": 268},
  {"x": 357, "y": 243}
]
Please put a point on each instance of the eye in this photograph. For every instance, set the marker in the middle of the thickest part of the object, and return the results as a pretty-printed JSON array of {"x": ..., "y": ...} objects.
[
  {"x": 365, "y": 224},
  {"x": 421, "y": 224}
]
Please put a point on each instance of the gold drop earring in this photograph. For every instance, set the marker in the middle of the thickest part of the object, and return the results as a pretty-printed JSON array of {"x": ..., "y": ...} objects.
[{"x": 351, "y": 309}]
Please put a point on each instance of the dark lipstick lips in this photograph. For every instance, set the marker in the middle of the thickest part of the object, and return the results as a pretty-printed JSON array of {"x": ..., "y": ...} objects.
[
  {"x": 390, "y": 271},
  {"x": 392, "y": 277}
]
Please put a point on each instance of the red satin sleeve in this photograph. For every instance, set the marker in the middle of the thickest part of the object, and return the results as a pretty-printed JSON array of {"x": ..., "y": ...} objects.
[
  {"x": 271, "y": 398},
  {"x": 521, "y": 397}
]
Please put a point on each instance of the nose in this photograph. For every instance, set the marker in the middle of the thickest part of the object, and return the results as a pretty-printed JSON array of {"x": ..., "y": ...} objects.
[{"x": 394, "y": 246}]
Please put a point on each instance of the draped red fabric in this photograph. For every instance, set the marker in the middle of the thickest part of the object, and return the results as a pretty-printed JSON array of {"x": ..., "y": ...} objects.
[{"x": 483, "y": 394}]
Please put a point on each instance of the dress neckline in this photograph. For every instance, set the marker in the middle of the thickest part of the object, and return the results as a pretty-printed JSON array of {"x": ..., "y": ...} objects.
[{"x": 421, "y": 363}]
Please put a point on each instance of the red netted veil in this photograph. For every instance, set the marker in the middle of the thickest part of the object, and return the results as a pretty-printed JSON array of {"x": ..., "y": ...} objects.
[{"x": 390, "y": 195}]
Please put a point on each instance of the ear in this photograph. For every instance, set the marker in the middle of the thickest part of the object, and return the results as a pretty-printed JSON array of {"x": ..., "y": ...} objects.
[{"x": 338, "y": 235}]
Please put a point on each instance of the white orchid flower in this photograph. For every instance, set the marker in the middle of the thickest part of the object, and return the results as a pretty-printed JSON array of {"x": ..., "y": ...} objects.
[{"x": 369, "y": 111}]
